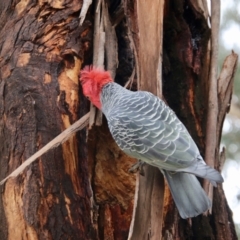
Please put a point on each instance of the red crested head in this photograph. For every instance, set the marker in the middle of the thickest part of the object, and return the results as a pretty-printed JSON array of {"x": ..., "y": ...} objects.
[{"x": 93, "y": 80}]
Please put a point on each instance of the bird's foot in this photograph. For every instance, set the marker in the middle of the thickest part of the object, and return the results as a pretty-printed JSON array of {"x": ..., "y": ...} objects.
[{"x": 138, "y": 166}]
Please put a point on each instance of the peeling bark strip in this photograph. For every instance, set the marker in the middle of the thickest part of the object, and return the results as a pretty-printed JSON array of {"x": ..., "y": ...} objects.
[
  {"x": 225, "y": 89},
  {"x": 98, "y": 55},
  {"x": 211, "y": 130},
  {"x": 222, "y": 214},
  {"x": 105, "y": 48},
  {"x": 147, "y": 221},
  {"x": 84, "y": 9}
]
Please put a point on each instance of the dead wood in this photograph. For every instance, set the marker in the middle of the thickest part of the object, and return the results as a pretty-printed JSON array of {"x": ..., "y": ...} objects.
[
  {"x": 147, "y": 221},
  {"x": 225, "y": 90},
  {"x": 222, "y": 214},
  {"x": 211, "y": 129}
]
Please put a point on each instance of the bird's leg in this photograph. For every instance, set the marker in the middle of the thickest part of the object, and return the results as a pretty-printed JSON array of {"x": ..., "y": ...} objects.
[{"x": 138, "y": 166}]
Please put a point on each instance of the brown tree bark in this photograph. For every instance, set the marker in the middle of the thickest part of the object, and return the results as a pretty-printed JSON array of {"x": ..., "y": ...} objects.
[
  {"x": 42, "y": 47},
  {"x": 82, "y": 189}
]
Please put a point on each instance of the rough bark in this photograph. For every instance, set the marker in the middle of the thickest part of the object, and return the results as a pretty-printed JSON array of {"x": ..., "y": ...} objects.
[
  {"x": 186, "y": 88},
  {"x": 42, "y": 47},
  {"x": 82, "y": 189}
]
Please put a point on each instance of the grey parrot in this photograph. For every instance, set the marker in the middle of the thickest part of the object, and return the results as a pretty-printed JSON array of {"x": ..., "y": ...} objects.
[{"x": 145, "y": 128}]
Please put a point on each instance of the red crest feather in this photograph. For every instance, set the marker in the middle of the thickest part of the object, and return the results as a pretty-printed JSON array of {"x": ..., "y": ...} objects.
[{"x": 92, "y": 80}]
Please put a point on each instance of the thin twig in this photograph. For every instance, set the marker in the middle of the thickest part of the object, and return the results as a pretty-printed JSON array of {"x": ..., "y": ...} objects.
[
  {"x": 130, "y": 233},
  {"x": 129, "y": 83},
  {"x": 61, "y": 138}
]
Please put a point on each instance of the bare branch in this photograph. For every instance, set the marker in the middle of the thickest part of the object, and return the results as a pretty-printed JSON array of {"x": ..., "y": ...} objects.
[
  {"x": 61, "y": 138},
  {"x": 129, "y": 83}
]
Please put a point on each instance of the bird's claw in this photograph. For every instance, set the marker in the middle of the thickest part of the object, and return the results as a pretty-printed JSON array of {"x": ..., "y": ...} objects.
[{"x": 138, "y": 166}]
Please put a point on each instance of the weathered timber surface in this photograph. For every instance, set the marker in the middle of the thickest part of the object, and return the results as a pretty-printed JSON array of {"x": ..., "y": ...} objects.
[{"x": 146, "y": 29}]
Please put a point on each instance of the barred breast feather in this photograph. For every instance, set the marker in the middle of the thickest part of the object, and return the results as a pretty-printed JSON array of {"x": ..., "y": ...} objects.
[{"x": 144, "y": 126}]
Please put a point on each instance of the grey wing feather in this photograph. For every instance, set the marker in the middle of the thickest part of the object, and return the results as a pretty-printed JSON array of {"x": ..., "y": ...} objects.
[
  {"x": 145, "y": 128},
  {"x": 150, "y": 131},
  {"x": 204, "y": 171}
]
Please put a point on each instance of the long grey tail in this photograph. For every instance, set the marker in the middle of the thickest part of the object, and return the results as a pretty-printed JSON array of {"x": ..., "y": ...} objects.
[
  {"x": 204, "y": 171},
  {"x": 190, "y": 198}
]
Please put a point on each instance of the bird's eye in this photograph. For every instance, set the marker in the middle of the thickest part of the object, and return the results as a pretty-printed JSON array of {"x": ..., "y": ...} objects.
[{"x": 88, "y": 97}]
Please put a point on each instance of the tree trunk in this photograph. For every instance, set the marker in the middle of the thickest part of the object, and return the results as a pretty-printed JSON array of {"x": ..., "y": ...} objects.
[
  {"x": 41, "y": 54},
  {"x": 82, "y": 189}
]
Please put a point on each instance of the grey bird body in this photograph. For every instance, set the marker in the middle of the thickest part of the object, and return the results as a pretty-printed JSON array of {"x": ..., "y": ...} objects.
[{"x": 145, "y": 128}]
